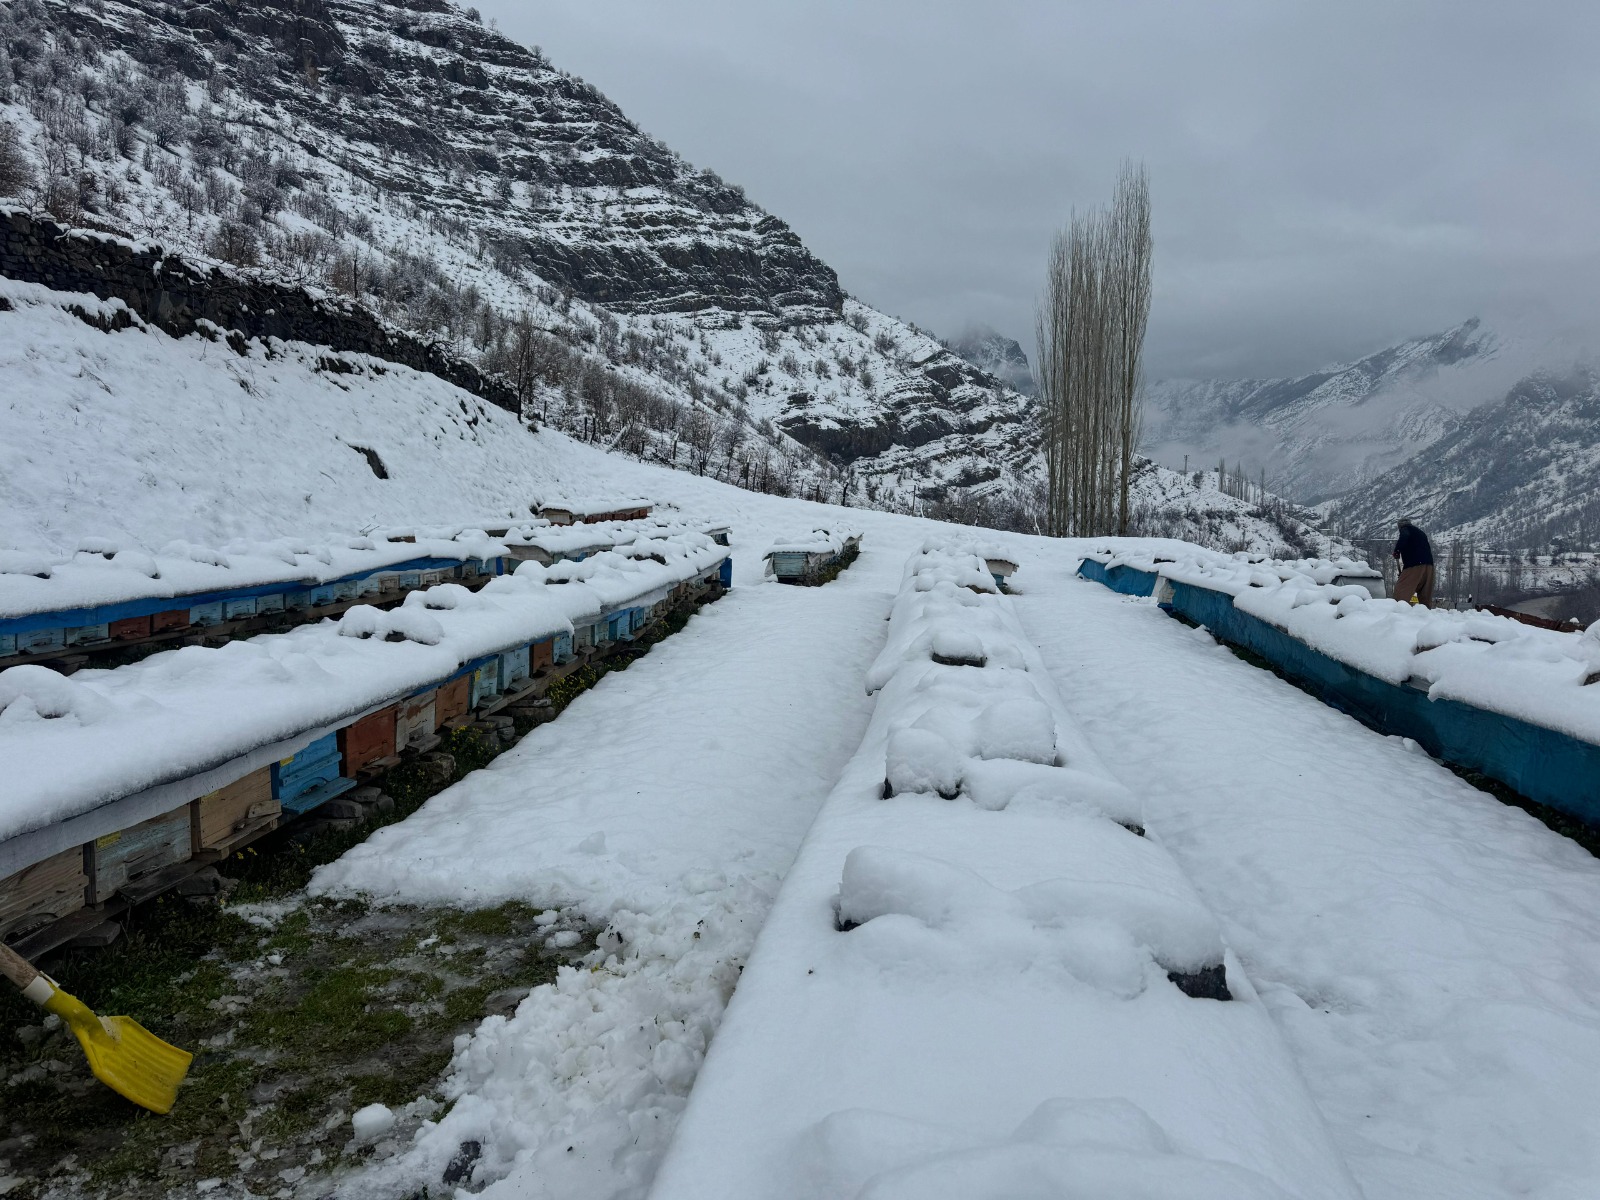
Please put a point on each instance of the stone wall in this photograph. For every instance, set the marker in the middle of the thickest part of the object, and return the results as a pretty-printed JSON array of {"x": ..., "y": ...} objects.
[{"x": 175, "y": 295}]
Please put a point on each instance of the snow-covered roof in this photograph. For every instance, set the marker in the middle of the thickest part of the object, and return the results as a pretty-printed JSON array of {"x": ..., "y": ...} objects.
[
  {"x": 816, "y": 541},
  {"x": 71, "y": 744},
  {"x": 103, "y": 572}
]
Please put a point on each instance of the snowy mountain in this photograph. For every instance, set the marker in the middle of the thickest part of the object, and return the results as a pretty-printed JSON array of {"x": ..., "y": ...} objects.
[
  {"x": 321, "y": 440},
  {"x": 466, "y": 190},
  {"x": 1516, "y": 472},
  {"x": 998, "y": 355},
  {"x": 1321, "y": 434}
]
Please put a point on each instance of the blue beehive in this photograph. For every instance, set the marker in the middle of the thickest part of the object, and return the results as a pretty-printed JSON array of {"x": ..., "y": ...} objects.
[
  {"x": 514, "y": 666},
  {"x": 563, "y": 648},
  {"x": 725, "y": 572},
  {"x": 485, "y": 682},
  {"x": 206, "y": 614},
  {"x": 309, "y": 777}
]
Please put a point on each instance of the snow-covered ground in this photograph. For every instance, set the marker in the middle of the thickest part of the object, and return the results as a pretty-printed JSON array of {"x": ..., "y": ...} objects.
[
  {"x": 1431, "y": 954},
  {"x": 666, "y": 804},
  {"x": 963, "y": 989}
]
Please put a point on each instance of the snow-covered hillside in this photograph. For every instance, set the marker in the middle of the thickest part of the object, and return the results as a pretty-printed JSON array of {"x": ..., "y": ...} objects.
[
  {"x": 192, "y": 438},
  {"x": 466, "y": 189},
  {"x": 1521, "y": 471},
  {"x": 1485, "y": 437}
]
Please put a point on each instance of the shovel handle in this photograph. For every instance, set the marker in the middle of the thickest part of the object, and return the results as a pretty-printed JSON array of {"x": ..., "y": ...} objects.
[{"x": 16, "y": 968}]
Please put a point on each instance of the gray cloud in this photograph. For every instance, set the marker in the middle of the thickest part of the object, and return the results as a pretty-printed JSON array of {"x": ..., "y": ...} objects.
[{"x": 1326, "y": 178}]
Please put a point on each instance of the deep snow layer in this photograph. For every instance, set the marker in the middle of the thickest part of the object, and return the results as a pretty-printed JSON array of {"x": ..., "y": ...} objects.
[
  {"x": 1431, "y": 954},
  {"x": 665, "y": 804},
  {"x": 962, "y": 990}
]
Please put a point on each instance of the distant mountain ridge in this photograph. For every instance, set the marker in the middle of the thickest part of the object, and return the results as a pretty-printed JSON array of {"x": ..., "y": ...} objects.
[
  {"x": 1479, "y": 436},
  {"x": 1515, "y": 473},
  {"x": 1321, "y": 434},
  {"x": 998, "y": 355}
]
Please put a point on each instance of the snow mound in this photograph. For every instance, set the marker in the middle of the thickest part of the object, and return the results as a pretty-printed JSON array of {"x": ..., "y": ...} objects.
[{"x": 976, "y": 948}]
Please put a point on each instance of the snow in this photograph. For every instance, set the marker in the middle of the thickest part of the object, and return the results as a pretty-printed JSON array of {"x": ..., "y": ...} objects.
[
  {"x": 1429, "y": 953},
  {"x": 73, "y": 744},
  {"x": 817, "y": 541},
  {"x": 1429, "y": 956},
  {"x": 1491, "y": 662},
  {"x": 372, "y": 1122},
  {"x": 941, "y": 986},
  {"x": 663, "y": 806}
]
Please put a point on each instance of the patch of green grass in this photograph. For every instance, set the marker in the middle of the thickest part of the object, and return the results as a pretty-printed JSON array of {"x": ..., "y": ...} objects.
[{"x": 488, "y": 922}]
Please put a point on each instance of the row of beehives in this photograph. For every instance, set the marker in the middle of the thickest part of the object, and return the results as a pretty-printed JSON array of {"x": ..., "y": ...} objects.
[
  {"x": 980, "y": 968},
  {"x": 805, "y": 560},
  {"x": 50, "y": 900},
  {"x": 70, "y": 637}
]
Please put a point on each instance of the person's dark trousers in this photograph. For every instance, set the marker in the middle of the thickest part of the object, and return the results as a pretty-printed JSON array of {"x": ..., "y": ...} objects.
[{"x": 1418, "y": 582}]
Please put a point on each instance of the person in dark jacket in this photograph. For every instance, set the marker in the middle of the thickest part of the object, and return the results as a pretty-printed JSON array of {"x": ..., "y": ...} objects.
[{"x": 1415, "y": 553}]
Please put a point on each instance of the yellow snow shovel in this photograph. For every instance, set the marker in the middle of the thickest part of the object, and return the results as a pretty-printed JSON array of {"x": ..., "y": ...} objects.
[{"x": 123, "y": 1054}]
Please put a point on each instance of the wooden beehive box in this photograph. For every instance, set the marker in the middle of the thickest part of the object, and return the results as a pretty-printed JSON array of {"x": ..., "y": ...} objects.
[
  {"x": 418, "y": 717},
  {"x": 542, "y": 655},
  {"x": 37, "y": 641},
  {"x": 452, "y": 699},
  {"x": 118, "y": 859},
  {"x": 514, "y": 667},
  {"x": 230, "y": 816},
  {"x": 129, "y": 629},
  {"x": 562, "y": 651},
  {"x": 486, "y": 683},
  {"x": 42, "y": 893},
  {"x": 368, "y": 740},
  {"x": 310, "y": 776},
  {"x": 177, "y": 618}
]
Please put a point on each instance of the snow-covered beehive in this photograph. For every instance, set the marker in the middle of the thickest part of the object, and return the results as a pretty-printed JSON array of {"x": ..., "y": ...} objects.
[{"x": 980, "y": 977}]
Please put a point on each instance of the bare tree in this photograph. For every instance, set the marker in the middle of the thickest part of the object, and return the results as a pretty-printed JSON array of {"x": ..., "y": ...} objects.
[
  {"x": 16, "y": 175},
  {"x": 1091, "y": 326}
]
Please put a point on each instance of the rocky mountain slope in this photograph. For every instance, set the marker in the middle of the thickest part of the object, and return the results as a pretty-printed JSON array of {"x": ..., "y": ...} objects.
[
  {"x": 1520, "y": 471},
  {"x": 998, "y": 355},
  {"x": 1324, "y": 433},
  {"x": 1486, "y": 438},
  {"x": 464, "y": 189}
]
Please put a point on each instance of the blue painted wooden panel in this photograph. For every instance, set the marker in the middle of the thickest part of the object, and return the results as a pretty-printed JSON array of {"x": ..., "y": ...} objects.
[
  {"x": 1129, "y": 581},
  {"x": 149, "y": 606},
  {"x": 725, "y": 571},
  {"x": 206, "y": 614},
  {"x": 513, "y": 666},
  {"x": 563, "y": 648},
  {"x": 485, "y": 682},
  {"x": 303, "y": 771}
]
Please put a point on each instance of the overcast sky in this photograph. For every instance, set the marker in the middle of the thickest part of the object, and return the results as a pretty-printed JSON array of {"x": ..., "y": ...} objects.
[{"x": 1326, "y": 178}]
